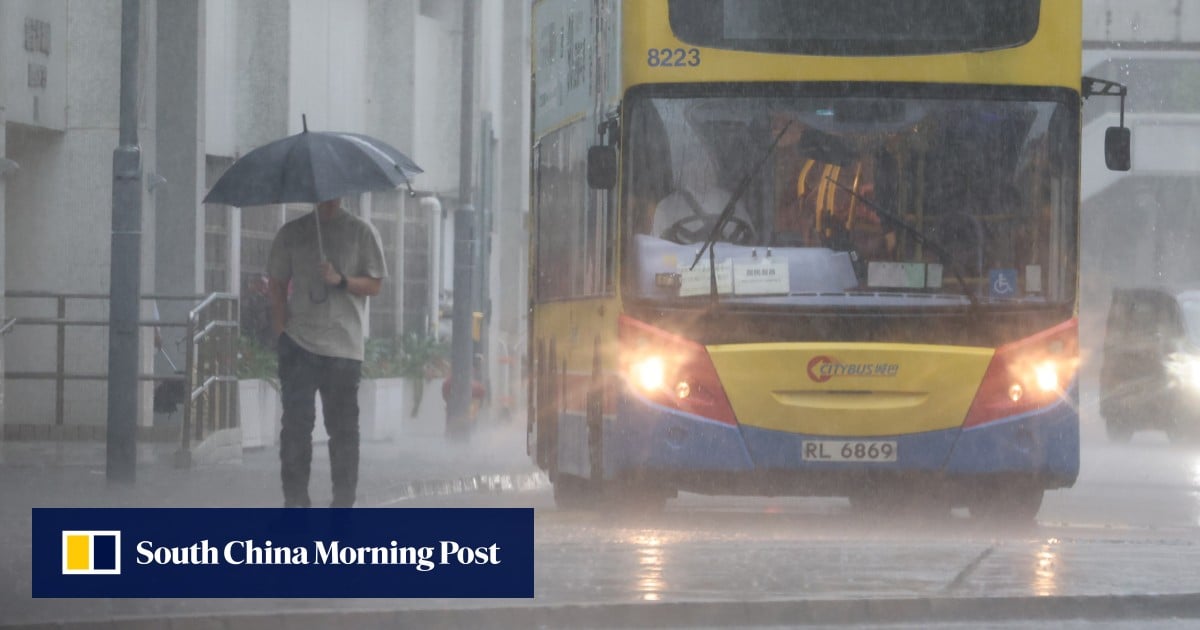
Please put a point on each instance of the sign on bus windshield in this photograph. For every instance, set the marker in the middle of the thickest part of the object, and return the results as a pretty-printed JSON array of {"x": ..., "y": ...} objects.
[{"x": 855, "y": 27}]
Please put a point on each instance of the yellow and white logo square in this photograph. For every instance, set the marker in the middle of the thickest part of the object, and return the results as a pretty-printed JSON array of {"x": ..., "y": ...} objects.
[{"x": 91, "y": 552}]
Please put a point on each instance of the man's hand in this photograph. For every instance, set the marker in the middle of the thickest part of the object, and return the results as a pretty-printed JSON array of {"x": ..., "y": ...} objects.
[{"x": 331, "y": 276}]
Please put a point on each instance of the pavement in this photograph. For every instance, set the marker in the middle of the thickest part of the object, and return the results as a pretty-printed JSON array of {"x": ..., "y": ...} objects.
[{"x": 416, "y": 463}]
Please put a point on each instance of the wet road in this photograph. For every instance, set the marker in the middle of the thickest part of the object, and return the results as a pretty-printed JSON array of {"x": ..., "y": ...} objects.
[{"x": 1131, "y": 525}]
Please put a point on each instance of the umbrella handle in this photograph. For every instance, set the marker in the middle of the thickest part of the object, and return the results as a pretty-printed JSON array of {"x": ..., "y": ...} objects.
[
  {"x": 320, "y": 242},
  {"x": 321, "y": 251}
]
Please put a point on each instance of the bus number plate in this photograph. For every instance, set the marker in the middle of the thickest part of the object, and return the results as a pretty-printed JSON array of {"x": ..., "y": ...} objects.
[{"x": 849, "y": 451}]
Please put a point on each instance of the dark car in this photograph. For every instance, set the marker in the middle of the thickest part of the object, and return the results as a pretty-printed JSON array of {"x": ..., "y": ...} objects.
[{"x": 1150, "y": 376}]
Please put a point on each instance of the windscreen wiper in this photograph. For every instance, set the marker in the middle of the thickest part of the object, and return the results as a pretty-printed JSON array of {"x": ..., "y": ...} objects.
[
  {"x": 942, "y": 253},
  {"x": 727, "y": 212}
]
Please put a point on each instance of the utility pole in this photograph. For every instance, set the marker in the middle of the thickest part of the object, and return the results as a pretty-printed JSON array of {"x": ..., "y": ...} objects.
[
  {"x": 125, "y": 271},
  {"x": 458, "y": 406},
  {"x": 481, "y": 278}
]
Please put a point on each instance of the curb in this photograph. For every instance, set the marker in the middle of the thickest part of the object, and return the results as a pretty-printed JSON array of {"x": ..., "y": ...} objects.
[
  {"x": 489, "y": 483},
  {"x": 688, "y": 614}
]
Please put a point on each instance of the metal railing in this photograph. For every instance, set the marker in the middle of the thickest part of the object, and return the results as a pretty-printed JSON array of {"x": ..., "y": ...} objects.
[
  {"x": 209, "y": 374},
  {"x": 211, "y": 402}
]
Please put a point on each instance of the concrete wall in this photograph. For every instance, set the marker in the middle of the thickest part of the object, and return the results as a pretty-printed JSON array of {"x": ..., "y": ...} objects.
[
  {"x": 4, "y": 172},
  {"x": 60, "y": 202},
  {"x": 220, "y": 47},
  {"x": 34, "y": 80},
  {"x": 1143, "y": 22},
  {"x": 179, "y": 222},
  {"x": 509, "y": 97},
  {"x": 327, "y": 64},
  {"x": 263, "y": 32},
  {"x": 391, "y": 58},
  {"x": 436, "y": 94}
]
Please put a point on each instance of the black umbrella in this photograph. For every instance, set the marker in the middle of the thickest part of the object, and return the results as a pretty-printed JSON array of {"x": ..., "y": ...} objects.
[{"x": 311, "y": 167}]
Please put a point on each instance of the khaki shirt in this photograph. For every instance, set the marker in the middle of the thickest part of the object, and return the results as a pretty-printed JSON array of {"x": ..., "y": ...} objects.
[{"x": 333, "y": 327}]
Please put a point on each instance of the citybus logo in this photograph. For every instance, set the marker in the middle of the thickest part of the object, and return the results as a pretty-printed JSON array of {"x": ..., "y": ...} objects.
[{"x": 822, "y": 369}]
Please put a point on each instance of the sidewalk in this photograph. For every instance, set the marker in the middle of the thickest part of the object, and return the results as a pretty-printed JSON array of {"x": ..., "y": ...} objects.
[{"x": 72, "y": 474}]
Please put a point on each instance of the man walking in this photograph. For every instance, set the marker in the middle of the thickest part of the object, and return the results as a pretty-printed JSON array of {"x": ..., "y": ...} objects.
[{"x": 320, "y": 276}]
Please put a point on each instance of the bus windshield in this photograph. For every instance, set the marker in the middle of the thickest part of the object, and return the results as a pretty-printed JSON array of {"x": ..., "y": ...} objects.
[
  {"x": 855, "y": 27},
  {"x": 916, "y": 200}
]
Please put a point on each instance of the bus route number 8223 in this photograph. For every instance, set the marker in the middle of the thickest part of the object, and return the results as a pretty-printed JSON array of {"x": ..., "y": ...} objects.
[{"x": 672, "y": 57}]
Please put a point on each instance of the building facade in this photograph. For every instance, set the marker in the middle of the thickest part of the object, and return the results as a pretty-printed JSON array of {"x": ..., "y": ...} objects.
[{"x": 216, "y": 79}]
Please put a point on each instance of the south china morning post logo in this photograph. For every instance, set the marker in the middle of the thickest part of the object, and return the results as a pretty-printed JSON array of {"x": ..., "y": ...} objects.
[
  {"x": 91, "y": 552},
  {"x": 321, "y": 552},
  {"x": 267, "y": 552}
]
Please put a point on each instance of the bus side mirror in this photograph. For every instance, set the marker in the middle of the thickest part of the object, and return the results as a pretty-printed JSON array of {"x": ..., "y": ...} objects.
[
  {"x": 602, "y": 167},
  {"x": 1116, "y": 148}
]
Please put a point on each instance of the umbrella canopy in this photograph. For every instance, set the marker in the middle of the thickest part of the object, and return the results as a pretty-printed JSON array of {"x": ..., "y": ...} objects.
[{"x": 311, "y": 167}]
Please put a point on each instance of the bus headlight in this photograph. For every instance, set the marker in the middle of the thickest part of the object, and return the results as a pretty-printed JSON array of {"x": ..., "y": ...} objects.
[
  {"x": 650, "y": 373},
  {"x": 670, "y": 370},
  {"x": 1027, "y": 374},
  {"x": 1046, "y": 374}
]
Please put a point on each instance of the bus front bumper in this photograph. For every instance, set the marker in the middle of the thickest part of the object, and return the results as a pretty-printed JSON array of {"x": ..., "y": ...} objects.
[{"x": 692, "y": 453}]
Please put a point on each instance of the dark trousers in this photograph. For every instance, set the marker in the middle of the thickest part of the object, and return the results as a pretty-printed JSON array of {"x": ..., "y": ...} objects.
[{"x": 301, "y": 375}]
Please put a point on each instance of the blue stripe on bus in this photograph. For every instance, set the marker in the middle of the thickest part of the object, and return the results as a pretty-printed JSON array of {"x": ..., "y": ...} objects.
[
  {"x": 1045, "y": 441},
  {"x": 645, "y": 436}
]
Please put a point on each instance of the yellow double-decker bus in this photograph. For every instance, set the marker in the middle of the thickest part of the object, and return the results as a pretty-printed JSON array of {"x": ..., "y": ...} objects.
[{"x": 814, "y": 247}]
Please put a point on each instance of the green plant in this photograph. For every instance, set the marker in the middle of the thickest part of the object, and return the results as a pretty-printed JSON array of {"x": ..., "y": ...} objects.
[
  {"x": 255, "y": 360},
  {"x": 422, "y": 356},
  {"x": 417, "y": 357},
  {"x": 414, "y": 356},
  {"x": 381, "y": 358}
]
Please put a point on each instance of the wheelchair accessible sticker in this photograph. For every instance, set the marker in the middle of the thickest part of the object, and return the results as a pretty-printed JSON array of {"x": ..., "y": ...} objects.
[{"x": 1003, "y": 283}]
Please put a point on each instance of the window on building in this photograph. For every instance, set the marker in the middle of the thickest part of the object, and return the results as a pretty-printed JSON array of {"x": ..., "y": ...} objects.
[
  {"x": 417, "y": 269},
  {"x": 385, "y": 216},
  {"x": 216, "y": 233}
]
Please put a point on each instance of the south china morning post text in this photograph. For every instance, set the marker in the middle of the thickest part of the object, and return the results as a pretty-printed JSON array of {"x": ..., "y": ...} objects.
[
  {"x": 227, "y": 552},
  {"x": 334, "y": 552}
]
